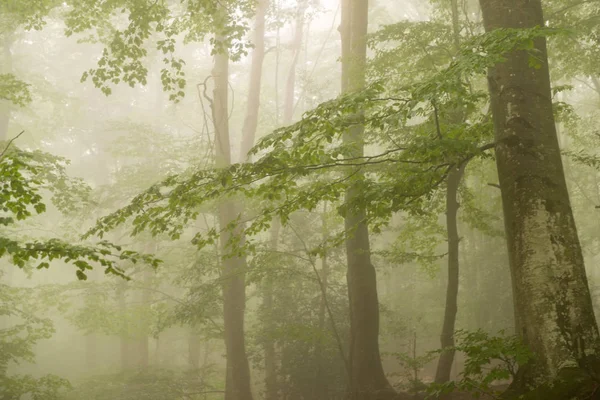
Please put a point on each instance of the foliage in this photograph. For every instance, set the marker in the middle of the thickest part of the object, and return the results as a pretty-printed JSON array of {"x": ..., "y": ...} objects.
[
  {"x": 411, "y": 365},
  {"x": 159, "y": 23},
  {"x": 152, "y": 384},
  {"x": 311, "y": 147},
  {"x": 489, "y": 359},
  {"x": 25, "y": 175},
  {"x": 14, "y": 90},
  {"x": 17, "y": 343}
]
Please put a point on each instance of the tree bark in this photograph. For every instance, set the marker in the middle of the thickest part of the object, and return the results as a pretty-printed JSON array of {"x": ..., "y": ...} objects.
[
  {"x": 194, "y": 349},
  {"x": 142, "y": 339},
  {"x": 248, "y": 139},
  {"x": 258, "y": 55},
  {"x": 124, "y": 340},
  {"x": 367, "y": 379},
  {"x": 553, "y": 308},
  {"x": 320, "y": 388},
  {"x": 290, "y": 84},
  {"x": 444, "y": 367},
  {"x": 6, "y": 68},
  {"x": 233, "y": 267},
  {"x": 271, "y": 392}
]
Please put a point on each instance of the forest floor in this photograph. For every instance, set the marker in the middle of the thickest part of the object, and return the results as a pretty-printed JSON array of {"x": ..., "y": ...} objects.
[{"x": 469, "y": 396}]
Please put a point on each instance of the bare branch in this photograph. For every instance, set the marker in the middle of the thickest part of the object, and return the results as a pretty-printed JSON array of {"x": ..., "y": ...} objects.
[{"x": 9, "y": 143}]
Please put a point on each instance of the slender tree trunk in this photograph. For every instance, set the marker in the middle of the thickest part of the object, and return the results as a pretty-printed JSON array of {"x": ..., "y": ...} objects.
[
  {"x": 234, "y": 267},
  {"x": 596, "y": 84},
  {"x": 142, "y": 339},
  {"x": 271, "y": 392},
  {"x": 258, "y": 55},
  {"x": 444, "y": 366},
  {"x": 5, "y": 68},
  {"x": 290, "y": 84},
  {"x": 553, "y": 308},
  {"x": 91, "y": 354},
  {"x": 271, "y": 385},
  {"x": 367, "y": 379},
  {"x": 248, "y": 139},
  {"x": 320, "y": 388},
  {"x": 194, "y": 348},
  {"x": 124, "y": 340}
]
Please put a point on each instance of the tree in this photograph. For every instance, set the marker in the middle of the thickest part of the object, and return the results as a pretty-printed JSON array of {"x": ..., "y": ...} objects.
[
  {"x": 553, "y": 309},
  {"x": 453, "y": 180},
  {"x": 234, "y": 265},
  {"x": 367, "y": 379}
]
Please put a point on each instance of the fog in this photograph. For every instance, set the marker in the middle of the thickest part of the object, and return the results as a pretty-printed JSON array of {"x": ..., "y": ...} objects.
[{"x": 311, "y": 199}]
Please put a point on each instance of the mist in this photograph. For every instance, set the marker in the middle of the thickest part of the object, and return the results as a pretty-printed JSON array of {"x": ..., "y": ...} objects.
[{"x": 299, "y": 200}]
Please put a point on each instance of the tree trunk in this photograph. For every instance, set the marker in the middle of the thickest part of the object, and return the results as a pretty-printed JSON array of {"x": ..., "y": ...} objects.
[
  {"x": 271, "y": 391},
  {"x": 596, "y": 84},
  {"x": 194, "y": 349},
  {"x": 258, "y": 55},
  {"x": 234, "y": 267},
  {"x": 290, "y": 84},
  {"x": 553, "y": 308},
  {"x": 367, "y": 379},
  {"x": 248, "y": 139},
  {"x": 144, "y": 295},
  {"x": 124, "y": 340},
  {"x": 6, "y": 68},
  {"x": 91, "y": 354},
  {"x": 320, "y": 387},
  {"x": 444, "y": 367}
]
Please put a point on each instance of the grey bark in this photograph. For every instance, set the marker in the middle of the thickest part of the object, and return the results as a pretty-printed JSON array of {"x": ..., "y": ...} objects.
[
  {"x": 290, "y": 84},
  {"x": 271, "y": 392},
  {"x": 258, "y": 55},
  {"x": 194, "y": 348},
  {"x": 446, "y": 360},
  {"x": 233, "y": 267},
  {"x": 553, "y": 308},
  {"x": 367, "y": 379},
  {"x": 444, "y": 367},
  {"x": 124, "y": 341},
  {"x": 6, "y": 68}
]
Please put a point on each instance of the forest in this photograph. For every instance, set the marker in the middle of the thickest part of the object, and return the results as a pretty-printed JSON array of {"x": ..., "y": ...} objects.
[{"x": 299, "y": 199}]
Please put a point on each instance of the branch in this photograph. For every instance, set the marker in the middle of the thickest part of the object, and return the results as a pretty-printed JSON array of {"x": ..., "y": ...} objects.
[
  {"x": 437, "y": 119},
  {"x": 576, "y": 4},
  {"x": 9, "y": 143}
]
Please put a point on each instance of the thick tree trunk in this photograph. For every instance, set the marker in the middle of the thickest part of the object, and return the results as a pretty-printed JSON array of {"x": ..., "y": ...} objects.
[
  {"x": 367, "y": 379},
  {"x": 444, "y": 366},
  {"x": 553, "y": 308},
  {"x": 234, "y": 268}
]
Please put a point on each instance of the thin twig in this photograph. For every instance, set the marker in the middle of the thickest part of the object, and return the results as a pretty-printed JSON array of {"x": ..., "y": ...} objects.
[
  {"x": 327, "y": 306},
  {"x": 10, "y": 142}
]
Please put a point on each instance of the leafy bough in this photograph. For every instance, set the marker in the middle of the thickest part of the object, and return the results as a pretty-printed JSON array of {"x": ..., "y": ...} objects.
[
  {"x": 301, "y": 165},
  {"x": 24, "y": 177}
]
